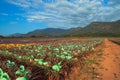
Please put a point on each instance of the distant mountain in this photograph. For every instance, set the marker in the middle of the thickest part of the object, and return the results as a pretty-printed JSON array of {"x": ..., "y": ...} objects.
[
  {"x": 93, "y": 29},
  {"x": 16, "y": 35},
  {"x": 54, "y": 31},
  {"x": 1, "y": 36},
  {"x": 35, "y": 33},
  {"x": 100, "y": 29}
]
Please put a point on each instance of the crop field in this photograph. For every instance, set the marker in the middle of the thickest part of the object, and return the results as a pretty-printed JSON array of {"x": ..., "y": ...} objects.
[{"x": 43, "y": 59}]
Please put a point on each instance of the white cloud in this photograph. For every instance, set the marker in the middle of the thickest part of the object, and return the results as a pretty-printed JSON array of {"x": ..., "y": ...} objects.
[
  {"x": 21, "y": 3},
  {"x": 66, "y": 14},
  {"x": 26, "y": 3}
]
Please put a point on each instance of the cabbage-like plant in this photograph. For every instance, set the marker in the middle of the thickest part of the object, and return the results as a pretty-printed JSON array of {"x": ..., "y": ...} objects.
[
  {"x": 22, "y": 78},
  {"x": 4, "y": 76},
  {"x": 39, "y": 61},
  {"x": 68, "y": 57},
  {"x": 22, "y": 72},
  {"x": 10, "y": 63},
  {"x": 56, "y": 49},
  {"x": 57, "y": 67}
]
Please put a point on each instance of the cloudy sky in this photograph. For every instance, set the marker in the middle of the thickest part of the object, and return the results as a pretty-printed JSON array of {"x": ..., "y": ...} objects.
[{"x": 22, "y": 16}]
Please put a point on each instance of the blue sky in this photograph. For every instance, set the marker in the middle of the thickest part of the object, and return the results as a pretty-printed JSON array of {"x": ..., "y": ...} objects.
[{"x": 22, "y": 16}]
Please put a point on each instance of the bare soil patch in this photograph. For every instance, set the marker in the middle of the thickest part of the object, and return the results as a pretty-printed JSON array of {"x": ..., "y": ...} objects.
[
  {"x": 104, "y": 64},
  {"x": 110, "y": 61}
]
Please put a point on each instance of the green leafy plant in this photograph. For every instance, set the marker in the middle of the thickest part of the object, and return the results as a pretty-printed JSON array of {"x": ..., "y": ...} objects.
[
  {"x": 57, "y": 67},
  {"x": 3, "y": 75},
  {"x": 10, "y": 63},
  {"x": 22, "y": 72},
  {"x": 21, "y": 78},
  {"x": 39, "y": 61}
]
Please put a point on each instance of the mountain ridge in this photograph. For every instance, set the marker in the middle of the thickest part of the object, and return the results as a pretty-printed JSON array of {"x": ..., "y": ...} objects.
[{"x": 93, "y": 29}]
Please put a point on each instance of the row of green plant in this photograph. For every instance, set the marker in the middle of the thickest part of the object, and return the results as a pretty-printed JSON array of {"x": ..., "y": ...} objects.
[
  {"x": 20, "y": 72},
  {"x": 53, "y": 58}
]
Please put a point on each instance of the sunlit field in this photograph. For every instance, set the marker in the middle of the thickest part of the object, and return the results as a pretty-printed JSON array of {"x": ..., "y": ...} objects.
[
  {"x": 45, "y": 59},
  {"x": 59, "y": 39}
]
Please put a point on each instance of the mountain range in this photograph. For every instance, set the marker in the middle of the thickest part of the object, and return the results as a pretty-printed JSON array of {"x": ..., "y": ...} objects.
[{"x": 94, "y": 29}]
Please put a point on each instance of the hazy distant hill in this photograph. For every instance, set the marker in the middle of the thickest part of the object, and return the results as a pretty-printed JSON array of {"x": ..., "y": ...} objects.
[
  {"x": 35, "y": 33},
  {"x": 93, "y": 29},
  {"x": 54, "y": 31},
  {"x": 17, "y": 34},
  {"x": 99, "y": 29},
  {"x": 1, "y": 36}
]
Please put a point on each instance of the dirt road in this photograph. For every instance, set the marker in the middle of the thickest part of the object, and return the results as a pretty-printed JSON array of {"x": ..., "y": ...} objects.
[
  {"x": 107, "y": 55},
  {"x": 110, "y": 61}
]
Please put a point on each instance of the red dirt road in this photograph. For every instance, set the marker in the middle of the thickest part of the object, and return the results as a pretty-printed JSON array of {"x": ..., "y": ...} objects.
[
  {"x": 109, "y": 64},
  {"x": 110, "y": 61}
]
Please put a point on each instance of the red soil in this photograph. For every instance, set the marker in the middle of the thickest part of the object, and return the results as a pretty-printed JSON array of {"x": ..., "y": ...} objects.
[
  {"x": 109, "y": 64},
  {"x": 111, "y": 61}
]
